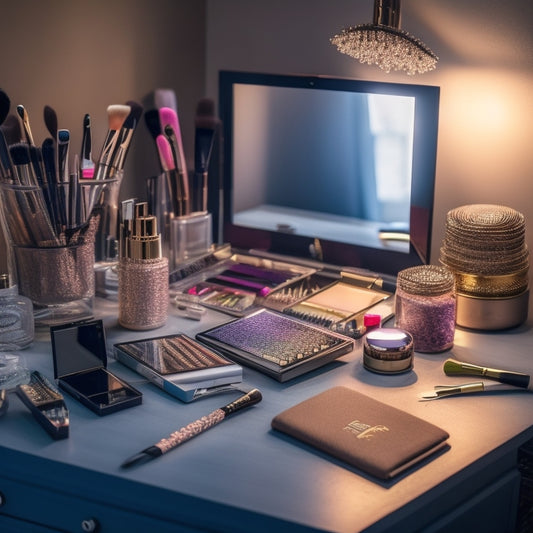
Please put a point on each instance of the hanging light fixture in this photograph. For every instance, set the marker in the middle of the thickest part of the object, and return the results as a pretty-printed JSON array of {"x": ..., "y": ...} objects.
[{"x": 384, "y": 44}]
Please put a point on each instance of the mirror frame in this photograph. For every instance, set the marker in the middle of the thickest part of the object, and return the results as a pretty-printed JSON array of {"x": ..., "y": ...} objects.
[{"x": 330, "y": 252}]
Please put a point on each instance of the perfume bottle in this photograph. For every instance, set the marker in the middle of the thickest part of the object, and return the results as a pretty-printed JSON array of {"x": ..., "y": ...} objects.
[
  {"x": 142, "y": 273},
  {"x": 16, "y": 317}
]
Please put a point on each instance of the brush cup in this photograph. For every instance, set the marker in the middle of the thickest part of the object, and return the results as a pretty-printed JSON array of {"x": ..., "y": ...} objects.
[
  {"x": 105, "y": 202},
  {"x": 58, "y": 280},
  {"x": 190, "y": 237}
]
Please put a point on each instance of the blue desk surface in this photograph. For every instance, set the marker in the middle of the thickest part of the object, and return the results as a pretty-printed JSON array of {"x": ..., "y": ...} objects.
[{"x": 243, "y": 476}]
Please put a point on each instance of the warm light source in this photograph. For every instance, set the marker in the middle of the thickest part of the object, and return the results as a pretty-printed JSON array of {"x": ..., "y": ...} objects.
[{"x": 384, "y": 44}]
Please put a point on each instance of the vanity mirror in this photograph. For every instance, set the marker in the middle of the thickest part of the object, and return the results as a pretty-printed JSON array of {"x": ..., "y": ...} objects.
[{"x": 333, "y": 169}]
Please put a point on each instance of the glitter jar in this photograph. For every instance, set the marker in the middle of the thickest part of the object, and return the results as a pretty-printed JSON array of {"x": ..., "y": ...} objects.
[{"x": 426, "y": 306}]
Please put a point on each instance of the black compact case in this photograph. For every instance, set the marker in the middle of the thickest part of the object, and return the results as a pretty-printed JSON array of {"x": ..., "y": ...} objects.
[{"x": 80, "y": 362}]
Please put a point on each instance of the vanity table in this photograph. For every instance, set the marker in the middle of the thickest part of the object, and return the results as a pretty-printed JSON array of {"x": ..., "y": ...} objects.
[{"x": 242, "y": 476}]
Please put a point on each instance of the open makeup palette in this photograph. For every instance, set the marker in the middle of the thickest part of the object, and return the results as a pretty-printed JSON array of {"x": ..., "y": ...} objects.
[{"x": 327, "y": 193}]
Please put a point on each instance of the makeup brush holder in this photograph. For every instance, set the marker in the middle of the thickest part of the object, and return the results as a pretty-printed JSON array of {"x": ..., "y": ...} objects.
[
  {"x": 190, "y": 237},
  {"x": 58, "y": 280},
  {"x": 105, "y": 203}
]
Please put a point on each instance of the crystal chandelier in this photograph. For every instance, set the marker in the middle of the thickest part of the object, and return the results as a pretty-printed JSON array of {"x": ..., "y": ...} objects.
[{"x": 384, "y": 44}]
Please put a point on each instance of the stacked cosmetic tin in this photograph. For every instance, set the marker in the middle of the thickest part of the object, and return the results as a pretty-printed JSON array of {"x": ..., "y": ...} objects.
[{"x": 484, "y": 245}]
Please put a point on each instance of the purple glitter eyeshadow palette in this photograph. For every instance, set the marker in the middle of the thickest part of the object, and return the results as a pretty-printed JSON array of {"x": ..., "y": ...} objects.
[
  {"x": 237, "y": 283},
  {"x": 180, "y": 366},
  {"x": 241, "y": 284},
  {"x": 277, "y": 345}
]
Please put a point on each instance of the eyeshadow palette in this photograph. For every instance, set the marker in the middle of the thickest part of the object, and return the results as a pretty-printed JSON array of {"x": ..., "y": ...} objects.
[
  {"x": 179, "y": 365},
  {"x": 277, "y": 345}
]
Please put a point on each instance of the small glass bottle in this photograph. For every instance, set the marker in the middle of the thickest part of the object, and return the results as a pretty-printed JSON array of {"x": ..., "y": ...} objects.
[
  {"x": 142, "y": 274},
  {"x": 16, "y": 317},
  {"x": 426, "y": 306}
]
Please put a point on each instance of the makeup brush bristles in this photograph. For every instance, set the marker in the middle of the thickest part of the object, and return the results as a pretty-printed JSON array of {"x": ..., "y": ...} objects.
[
  {"x": 117, "y": 114},
  {"x": 5, "y": 104}
]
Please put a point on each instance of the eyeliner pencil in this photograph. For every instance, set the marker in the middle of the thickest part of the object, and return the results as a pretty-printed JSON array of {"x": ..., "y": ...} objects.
[{"x": 194, "y": 428}]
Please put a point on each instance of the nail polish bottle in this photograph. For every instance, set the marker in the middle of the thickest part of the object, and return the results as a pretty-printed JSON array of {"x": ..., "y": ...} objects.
[
  {"x": 142, "y": 273},
  {"x": 16, "y": 317}
]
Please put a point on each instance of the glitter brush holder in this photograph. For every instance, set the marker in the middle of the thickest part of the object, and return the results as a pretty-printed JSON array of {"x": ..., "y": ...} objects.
[
  {"x": 58, "y": 280},
  {"x": 484, "y": 245}
]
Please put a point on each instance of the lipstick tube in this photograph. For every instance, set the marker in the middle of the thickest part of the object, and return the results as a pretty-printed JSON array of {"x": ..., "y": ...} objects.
[{"x": 142, "y": 275}]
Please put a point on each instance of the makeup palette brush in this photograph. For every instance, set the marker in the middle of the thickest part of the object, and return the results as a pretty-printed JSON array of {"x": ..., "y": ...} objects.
[
  {"x": 458, "y": 368},
  {"x": 50, "y": 119},
  {"x": 23, "y": 114},
  {"x": 206, "y": 123},
  {"x": 87, "y": 163},
  {"x": 116, "y": 114}
]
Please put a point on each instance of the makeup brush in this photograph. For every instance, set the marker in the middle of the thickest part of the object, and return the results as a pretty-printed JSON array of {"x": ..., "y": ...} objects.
[
  {"x": 182, "y": 183},
  {"x": 63, "y": 144},
  {"x": 116, "y": 115},
  {"x": 48, "y": 152},
  {"x": 87, "y": 163},
  {"x": 458, "y": 368},
  {"x": 169, "y": 117},
  {"x": 165, "y": 98},
  {"x": 165, "y": 153},
  {"x": 174, "y": 186},
  {"x": 23, "y": 114},
  {"x": 126, "y": 133},
  {"x": 22, "y": 167},
  {"x": 206, "y": 124},
  {"x": 153, "y": 124},
  {"x": 5, "y": 104},
  {"x": 12, "y": 130},
  {"x": 50, "y": 119},
  {"x": 5, "y": 163}
]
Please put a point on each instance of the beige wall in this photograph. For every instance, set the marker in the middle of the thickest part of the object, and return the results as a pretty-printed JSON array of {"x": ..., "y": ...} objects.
[
  {"x": 79, "y": 56},
  {"x": 485, "y": 74}
]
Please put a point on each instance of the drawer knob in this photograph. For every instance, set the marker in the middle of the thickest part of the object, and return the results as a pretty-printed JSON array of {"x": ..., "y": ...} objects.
[
  {"x": 2, "y": 499},
  {"x": 90, "y": 525}
]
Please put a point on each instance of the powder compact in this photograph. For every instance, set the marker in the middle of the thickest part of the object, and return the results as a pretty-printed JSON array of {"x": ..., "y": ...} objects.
[{"x": 388, "y": 351}]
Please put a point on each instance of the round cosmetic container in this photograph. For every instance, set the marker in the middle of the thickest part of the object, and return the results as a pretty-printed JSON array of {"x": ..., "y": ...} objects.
[
  {"x": 388, "y": 351},
  {"x": 426, "y": 306}
]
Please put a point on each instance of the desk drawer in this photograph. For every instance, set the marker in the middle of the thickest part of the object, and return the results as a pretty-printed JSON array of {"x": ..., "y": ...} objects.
[{"x": 63, "y": 512}]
